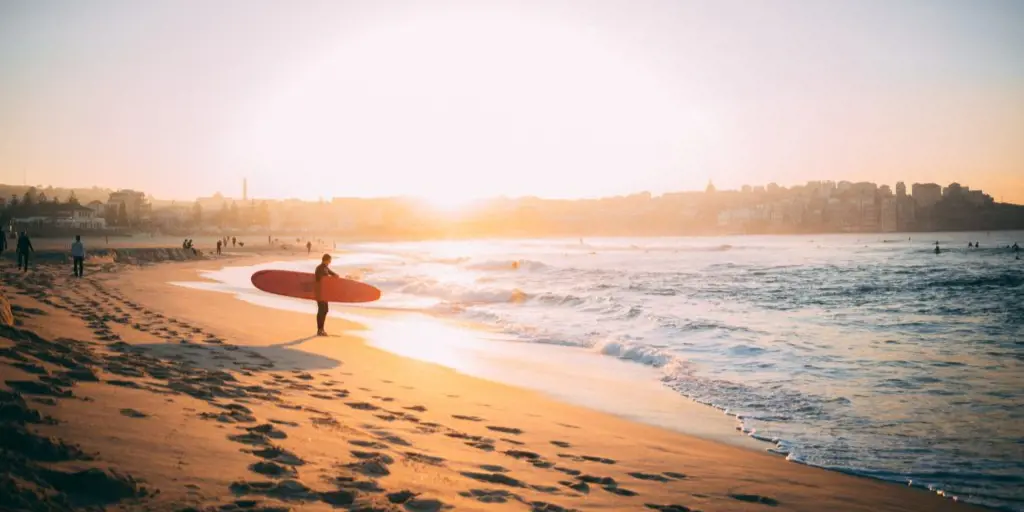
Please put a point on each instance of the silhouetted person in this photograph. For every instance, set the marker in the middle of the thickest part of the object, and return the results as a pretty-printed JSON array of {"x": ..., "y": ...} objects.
[
  {"x": 218, "y": 246},
  {"x": 309, "y": 247},
  {"x": 970, "y": 245},
  {"x": 1016, "y": 248},
  {"x": 78, "y": 256},
  {"x": 24, "y": 248},
  {"x": 937, "y": 249},
  {"x": 323, "y": 271},
  {"x": 3, "y": 242},
  {"x": 233, "y": 241}
]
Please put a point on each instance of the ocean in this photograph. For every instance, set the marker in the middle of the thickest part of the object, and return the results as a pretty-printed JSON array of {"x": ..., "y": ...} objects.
[{"x": 867, "y": 354}]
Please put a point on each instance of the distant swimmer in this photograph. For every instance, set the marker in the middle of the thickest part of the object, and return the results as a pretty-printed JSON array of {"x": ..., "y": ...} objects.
[
  {"x": 937, "y": 250},
  {"x": 1016, "y": 248},
  {"x": 970, "y": 245}
]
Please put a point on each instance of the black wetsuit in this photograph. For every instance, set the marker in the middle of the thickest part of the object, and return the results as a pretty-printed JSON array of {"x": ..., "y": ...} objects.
[{"x": 322, "y": 271}]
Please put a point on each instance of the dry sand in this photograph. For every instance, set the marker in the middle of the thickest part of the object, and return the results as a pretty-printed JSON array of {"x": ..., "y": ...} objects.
[{"x": 124, "y": 392}]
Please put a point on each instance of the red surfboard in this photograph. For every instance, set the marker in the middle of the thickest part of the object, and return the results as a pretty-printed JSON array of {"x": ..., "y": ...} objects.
[{"x": 300, "y": 286}]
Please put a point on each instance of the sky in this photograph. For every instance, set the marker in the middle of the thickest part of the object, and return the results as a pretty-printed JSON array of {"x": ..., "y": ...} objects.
[{"x": 457, "y": 100}]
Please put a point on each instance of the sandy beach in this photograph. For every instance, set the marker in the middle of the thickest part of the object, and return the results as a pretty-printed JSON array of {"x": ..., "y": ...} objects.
[{"x": 124, "y": 392}]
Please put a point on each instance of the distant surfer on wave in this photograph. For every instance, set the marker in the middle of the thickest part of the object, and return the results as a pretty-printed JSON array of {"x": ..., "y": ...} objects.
[{"x": 322, "y": 270}]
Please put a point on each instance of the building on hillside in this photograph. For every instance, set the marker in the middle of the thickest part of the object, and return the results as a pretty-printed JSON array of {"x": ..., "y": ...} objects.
[
  {"x": 99, "y": 207},
  {"x": 978, "y": 198},
  {"x": 926, "y": 194},
  {"x": 61, "y": 216},
  {"x": 888, "y": 215},
  {"x": 135, "y": 204},
  {"x": 173, "y": 216}
]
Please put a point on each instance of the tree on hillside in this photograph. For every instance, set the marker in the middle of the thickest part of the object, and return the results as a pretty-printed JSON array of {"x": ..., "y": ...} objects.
[
  {"x": 41, "y": 198},
  {"x": 30, "y": 197},
  {"x": 56, "y": 200},
  {"x": 72, "y": 198},
  {"x": 110, "y": 215},
  {"x": 122, "y": 215}
]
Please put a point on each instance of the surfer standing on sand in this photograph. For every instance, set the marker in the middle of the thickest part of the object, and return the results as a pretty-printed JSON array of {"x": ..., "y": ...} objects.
[{"x": 322, "y": 270}]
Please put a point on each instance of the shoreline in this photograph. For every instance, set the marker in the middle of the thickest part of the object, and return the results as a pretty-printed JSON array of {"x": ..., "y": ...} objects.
[{"x": 621, "y": 463}]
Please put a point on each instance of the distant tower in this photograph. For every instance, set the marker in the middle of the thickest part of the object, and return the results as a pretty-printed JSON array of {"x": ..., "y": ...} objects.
[
  {"x": 245, "y": 189},
  {"x": 710, "y": 188}
]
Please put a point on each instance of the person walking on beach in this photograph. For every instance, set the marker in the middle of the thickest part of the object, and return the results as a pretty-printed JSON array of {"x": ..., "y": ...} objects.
[
  {"x": 23, "y": 249},
  {"x": 218, "y": 246},
  {"x": 323, "y": 271},
  {"x": 309, "y": 247},
  {"x": 78, "y": 256}
]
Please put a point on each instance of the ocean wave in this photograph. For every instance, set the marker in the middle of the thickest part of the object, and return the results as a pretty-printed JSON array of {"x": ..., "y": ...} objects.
[{"x": 508, "y": 265}]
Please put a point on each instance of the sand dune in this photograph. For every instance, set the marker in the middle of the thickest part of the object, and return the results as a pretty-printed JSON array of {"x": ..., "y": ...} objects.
[{"x": 124, "y": 392}]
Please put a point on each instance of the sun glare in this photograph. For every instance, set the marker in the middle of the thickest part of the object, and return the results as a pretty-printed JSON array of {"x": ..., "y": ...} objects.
[{"x": 449, "y": 203}]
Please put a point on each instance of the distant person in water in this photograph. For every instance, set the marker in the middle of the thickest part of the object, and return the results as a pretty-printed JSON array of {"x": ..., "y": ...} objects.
[
  {"x": 323, "y": 271},
  {"x": 309, "y": 247},
  {"x": 78, "y": 256},
  {"x": 937, "y": 250},
  {"x": 24, "y": 248},
  {"x": 1016, "y": 248}
]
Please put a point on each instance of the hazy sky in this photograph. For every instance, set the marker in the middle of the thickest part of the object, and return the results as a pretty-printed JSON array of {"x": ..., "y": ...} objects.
[{"x": 551, "y": 98}]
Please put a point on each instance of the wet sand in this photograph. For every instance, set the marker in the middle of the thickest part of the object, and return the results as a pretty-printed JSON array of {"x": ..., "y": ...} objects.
[{"x": 123, "y": 391}]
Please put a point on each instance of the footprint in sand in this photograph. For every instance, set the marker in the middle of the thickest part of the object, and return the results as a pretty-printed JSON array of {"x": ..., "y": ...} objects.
[
  {"x": 368, "y": 444},
  {"x": 132, "y": 413},
  {"x": 423, "y": 458},
  {"x": 648, "y": 476},
  {"x": 493, "y": 478},
  {"x": 489, "y": 495},
  {"x": 273, "y": 469},
  {"x": 522, "y": 454},
  {"x": 754, "y": 498},
  {"x": 268, "y": 430},
  {"x": 374, "y": 466},
  {"x": 362, "y": 406},
  {"x": 561, "y": 444},
  {"x": 279, "y": 455},
  {"x": 425, "y": 505},
  {"x": 505, "y": 430},
  {"x": 580, "y": 487}
]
